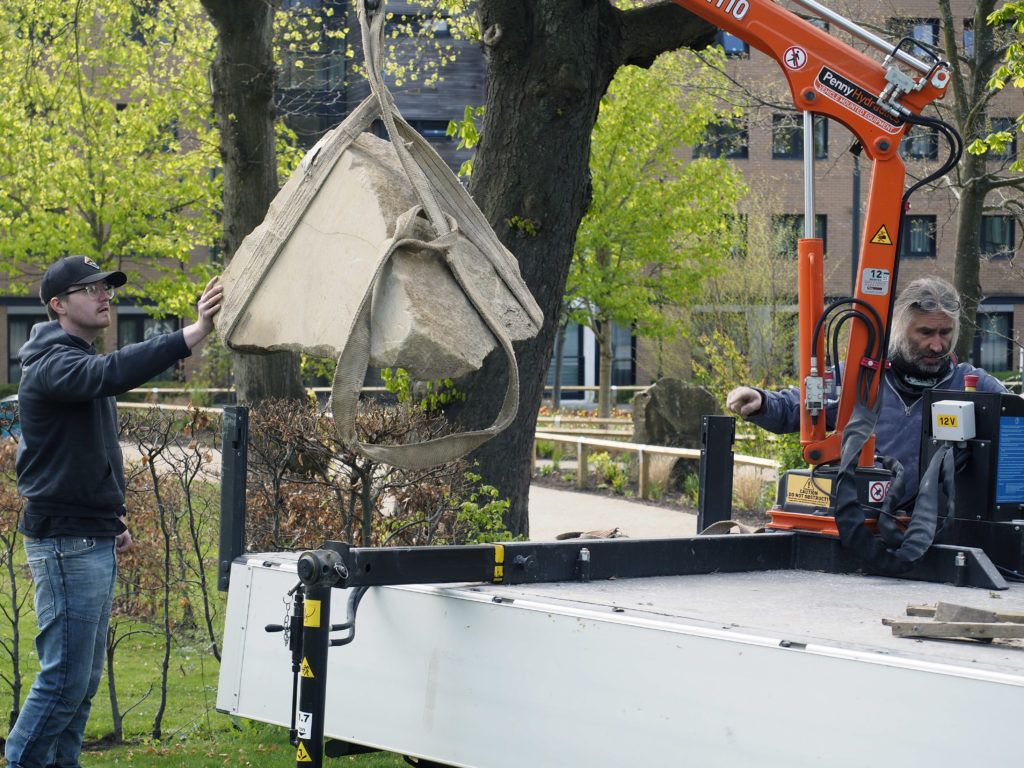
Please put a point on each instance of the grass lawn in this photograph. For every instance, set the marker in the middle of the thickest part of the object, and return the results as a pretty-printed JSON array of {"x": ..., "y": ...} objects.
[{"x": 194, "y": 734}]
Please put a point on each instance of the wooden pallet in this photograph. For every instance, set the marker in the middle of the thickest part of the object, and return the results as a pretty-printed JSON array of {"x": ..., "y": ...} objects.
[{"x": 958, "y": 622}]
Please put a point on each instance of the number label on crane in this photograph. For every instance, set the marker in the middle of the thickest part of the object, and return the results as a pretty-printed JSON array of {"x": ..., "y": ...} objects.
[
  {"x": 735, "y": 8},
  {"x": 304, "y": 724},
  {"x": 875, "y": 282}
]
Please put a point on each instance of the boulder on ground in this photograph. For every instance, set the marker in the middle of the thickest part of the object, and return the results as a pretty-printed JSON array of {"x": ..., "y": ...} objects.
[{"x": 670, "y": 412}]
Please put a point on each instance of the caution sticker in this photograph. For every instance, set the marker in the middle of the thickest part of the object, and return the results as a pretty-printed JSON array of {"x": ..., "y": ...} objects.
[
  {"x": 311, "y": 614},
  {"x": 301, "y": 755},
  {"x": 882, "y": 236},
  {"x": 306, "y": 670},
  {"x": 802, "y": 489}
]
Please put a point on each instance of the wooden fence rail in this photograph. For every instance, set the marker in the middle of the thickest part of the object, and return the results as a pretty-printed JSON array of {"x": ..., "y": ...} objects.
[{"x": 585, "y": 445}]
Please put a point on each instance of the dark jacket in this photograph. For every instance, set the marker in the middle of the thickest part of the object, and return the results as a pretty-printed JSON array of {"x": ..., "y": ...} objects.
[
  {"x": 69, "y": 460},
  {"x": 898, "y": 432}
]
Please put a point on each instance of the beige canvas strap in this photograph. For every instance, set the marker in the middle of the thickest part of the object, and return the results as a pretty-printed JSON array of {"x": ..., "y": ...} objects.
[{"x": 450, "y": 210}]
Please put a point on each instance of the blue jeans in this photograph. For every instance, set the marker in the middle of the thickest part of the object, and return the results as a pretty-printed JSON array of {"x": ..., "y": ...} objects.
[{"x": 74, "y": 581}]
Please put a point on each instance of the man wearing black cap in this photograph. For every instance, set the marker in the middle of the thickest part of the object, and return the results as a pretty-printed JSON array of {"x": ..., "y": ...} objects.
[{"x": 71, "y": 474}]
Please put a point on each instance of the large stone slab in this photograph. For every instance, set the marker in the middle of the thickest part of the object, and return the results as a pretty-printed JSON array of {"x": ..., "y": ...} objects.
[{"x": 297, "y": 281}]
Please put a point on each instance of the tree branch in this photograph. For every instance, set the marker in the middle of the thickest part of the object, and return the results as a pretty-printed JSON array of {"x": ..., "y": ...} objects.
[{"x": 665, "y": 26}]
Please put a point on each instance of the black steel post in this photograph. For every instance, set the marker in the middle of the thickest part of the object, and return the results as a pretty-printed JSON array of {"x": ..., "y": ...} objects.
[
  {"x": 234, "y": 457},
  {"x": 714, "y": 494},
  {"x": 316, "y": 630}
]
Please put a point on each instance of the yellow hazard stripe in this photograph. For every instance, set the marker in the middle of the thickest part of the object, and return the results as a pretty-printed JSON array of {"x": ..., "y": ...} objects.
[{"x": 499, "y": 563}]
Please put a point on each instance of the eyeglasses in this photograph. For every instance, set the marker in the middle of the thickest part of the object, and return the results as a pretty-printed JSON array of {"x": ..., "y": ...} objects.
[
  {"x": 92, "y": 289},
  {"x": 931, "y": 305}
]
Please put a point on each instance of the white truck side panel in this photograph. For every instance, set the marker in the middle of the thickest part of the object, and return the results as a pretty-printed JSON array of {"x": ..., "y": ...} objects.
[{"x": 451, "y": 675}]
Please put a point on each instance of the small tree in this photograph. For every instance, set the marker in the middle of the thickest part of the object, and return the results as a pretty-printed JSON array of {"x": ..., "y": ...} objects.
[
  {"x": 657, "y": 223},
  {"x": 106, "y": 146},
  {"x": 172, "y": 503},
  {"x": 13, "y": 595}
]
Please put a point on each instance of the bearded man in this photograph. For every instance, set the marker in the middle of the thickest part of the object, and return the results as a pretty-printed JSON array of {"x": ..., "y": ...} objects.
[{"x": 925, "y": 327}]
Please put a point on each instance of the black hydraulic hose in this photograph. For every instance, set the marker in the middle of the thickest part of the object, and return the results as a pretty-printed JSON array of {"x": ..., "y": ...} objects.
[{"x": 956, "y": 149}]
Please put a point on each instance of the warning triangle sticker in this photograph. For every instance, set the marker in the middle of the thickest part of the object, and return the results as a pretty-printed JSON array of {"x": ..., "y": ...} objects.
[
  {"x": 882, "y": 236},
  {"x": 301, "y": 755},
  {"x": 306, "y": 670}
]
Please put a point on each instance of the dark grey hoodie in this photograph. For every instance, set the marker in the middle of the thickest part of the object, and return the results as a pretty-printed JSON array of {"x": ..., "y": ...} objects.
[{"x": 69, "y": 460}]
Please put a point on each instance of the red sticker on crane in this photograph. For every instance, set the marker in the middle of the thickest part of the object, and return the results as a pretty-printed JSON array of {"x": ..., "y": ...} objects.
[{"x": 795, "y": 58}]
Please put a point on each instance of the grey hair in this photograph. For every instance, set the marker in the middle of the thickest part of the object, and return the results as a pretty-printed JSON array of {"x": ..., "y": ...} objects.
[{"x": 928, "y": 291}]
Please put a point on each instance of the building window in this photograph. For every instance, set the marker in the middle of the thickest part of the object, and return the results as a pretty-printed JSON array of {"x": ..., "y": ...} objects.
[
  {"x": 993, "y": 341},
  {"x": 1009, "y": 150},
  {"x": 623, "y": 356},
  {"x": 919, "y": 237},
  {"x": 997, "y": 237},
  {"x": 18, "y": 329},
  {"x": 1002, "y": 36},
  {"x": 788, "y": 136},
  {"x": 132, "y": 328},
  {"x": 724, "y": 140},
  {"x": 788, "y": 228},
  {"x": 572, "y": 364},
  {"x": 732, "y": 45},
  {"x": 924, "y": 31},
  {"x": 306, "y": 70},
  {"x": 820, "y": 137},
  {"x": 415, "y": 24},
  {"x": 432, "y": 130},
  {"x": 920, "y": 143}
]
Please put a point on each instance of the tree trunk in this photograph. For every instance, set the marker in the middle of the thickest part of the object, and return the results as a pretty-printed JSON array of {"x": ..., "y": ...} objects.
[
  {"x": 548, "y": 64},
  {"x": 117, "y": 719},
  {"x": 967, "y": 260},
  {"x": 244, "y": 78},
  {"x": 971, "y": 96},
  {"x": 556, "y": 386},
  {"x": 604, "y": 370}
]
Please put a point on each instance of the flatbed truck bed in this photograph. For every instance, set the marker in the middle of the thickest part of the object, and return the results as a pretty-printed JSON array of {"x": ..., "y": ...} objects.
[{"x": 768, "y": 668}]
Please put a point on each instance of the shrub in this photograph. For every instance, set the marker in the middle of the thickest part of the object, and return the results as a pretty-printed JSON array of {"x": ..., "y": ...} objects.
[{"x": 611, "y": 473}]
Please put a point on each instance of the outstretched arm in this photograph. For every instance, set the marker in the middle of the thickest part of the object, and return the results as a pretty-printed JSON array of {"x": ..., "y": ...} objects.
[{"x": 209, "y": 305}]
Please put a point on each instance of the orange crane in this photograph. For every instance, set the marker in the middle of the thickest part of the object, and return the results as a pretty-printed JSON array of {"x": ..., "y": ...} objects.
[{"x": 878, "y": 101}]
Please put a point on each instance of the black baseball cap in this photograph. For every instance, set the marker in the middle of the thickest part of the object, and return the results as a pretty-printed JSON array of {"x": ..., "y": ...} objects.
[{"x": 75, "y": 270}]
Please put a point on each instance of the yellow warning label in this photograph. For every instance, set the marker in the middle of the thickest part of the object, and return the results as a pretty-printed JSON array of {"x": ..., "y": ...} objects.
[
  {"x": 882, "y": 236},
  {"x": 801, "y": 489},
  {"x": 306, "y": 670},
  {"x": 311, "y": 615},
  {"x": 499, "y": 560},
  {"x": 947, "y": 420},
  {"x": 301, "y": 755}
]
